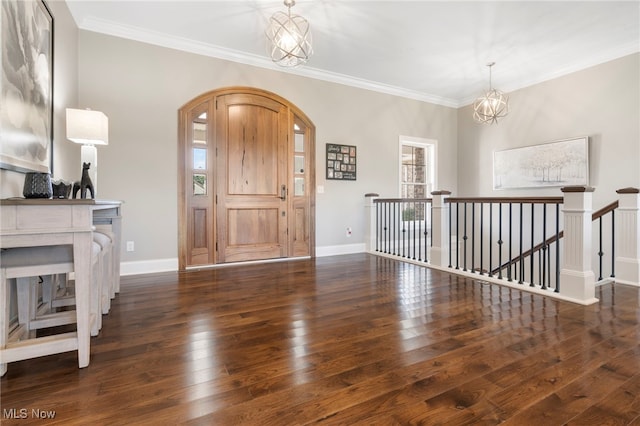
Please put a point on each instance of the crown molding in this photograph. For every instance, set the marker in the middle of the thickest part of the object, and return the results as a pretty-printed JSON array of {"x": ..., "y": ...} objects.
[
  {"x": 219, "y": 52},
  {"x": 199, "y": 48},
  {"x": 591, "y": 61}
]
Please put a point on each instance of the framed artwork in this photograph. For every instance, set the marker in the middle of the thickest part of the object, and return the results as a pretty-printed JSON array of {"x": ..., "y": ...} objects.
[
  {"x": 559, "y": 163},
  {"x": 341, "y": 162},
  {"x": 26, "y": 94}
]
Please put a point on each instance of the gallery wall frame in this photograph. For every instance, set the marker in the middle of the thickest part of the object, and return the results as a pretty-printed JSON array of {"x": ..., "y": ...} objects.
[
  {"x": 553, "y": 164},
  {"x": 26, "y": 95},
  {"x": 341, "y": 162}
]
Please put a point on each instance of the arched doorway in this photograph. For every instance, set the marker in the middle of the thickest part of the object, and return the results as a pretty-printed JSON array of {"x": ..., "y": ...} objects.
[{"x": 246, "y": 169}]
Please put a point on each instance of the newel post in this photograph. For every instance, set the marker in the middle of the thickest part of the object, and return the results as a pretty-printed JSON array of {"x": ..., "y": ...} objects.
[
  {"x": 628, "y": 237},
  {"x": 440, "y": 228},
  {"x": 370, "y": 231},
  {"x": 577, "y": 279}
]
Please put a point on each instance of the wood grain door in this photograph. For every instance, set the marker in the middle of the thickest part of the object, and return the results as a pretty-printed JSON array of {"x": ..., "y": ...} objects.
[
  {"x": 252, "y": 209},
  {"x": 247, "y": 179},
  {"x": 197, "y": 219}
]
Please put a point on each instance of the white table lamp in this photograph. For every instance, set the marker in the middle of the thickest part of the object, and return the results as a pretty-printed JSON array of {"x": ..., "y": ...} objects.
[{"x": 89, "y": 128}]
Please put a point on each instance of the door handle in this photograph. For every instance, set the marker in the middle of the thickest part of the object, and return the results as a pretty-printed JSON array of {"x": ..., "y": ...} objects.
[{"x": 283, "y": 192}]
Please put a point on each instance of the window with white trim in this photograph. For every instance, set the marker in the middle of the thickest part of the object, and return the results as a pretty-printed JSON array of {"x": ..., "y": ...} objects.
[
  {"x": 417, "y": 167},
  {"x": 417, "y": 173}
]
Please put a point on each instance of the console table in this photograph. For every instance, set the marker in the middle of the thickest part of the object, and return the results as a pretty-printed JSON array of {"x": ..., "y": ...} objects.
[{"x": 48, "y": 222}]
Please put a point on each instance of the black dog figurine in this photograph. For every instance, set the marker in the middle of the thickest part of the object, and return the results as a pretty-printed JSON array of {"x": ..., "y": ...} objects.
[{"x": 84, "y": 184}]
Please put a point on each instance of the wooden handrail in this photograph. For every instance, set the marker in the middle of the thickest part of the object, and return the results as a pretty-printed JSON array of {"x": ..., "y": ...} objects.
[
  {"x": 606, "y": 209},
  {"x": 402, "y": 200},
  {"x": 595, "y": 216},
  {"x": 507, "y": 200}
]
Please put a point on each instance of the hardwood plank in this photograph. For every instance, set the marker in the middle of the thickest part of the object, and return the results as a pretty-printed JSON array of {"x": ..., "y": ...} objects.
[{"x": 353, "y": 339}]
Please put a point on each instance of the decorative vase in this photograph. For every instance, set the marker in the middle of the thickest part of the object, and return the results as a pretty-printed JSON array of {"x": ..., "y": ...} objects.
[
  {"x": 37, "y": 185},
  {"x": 61, "y": 189}
]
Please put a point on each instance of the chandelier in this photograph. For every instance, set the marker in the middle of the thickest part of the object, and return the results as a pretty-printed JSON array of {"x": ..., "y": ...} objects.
[
  {"x": 491, "y": 105},
  {"x": 288, "y": 38}
]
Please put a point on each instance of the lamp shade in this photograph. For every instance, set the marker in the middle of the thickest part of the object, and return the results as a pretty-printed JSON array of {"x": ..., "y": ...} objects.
[{"x": 87, "y": 127}]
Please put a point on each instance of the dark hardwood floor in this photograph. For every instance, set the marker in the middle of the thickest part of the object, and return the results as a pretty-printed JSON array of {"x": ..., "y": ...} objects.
[{"x": 342, "y": 340}]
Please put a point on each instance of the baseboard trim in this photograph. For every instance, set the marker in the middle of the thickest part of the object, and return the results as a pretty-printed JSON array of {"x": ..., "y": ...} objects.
[
  {"x": 148, "y": 266},
  {"x": 341, "y": 249},
  {"x": 171, "y": 265}
]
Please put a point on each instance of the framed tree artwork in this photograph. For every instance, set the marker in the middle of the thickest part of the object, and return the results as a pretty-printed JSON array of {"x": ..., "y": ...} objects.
[
  {"x": 554, "y": 164},
  {"x": 26, "y": 88}
]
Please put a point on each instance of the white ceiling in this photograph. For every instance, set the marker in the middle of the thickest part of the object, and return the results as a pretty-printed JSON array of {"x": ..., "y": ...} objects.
[{"x": 435, "y": 51}]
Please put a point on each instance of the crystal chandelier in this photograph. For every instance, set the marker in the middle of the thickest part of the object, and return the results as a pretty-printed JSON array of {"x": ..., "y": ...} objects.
[
  {"x": 492, "y": 105},
  {"x": 289, "y": 38}
]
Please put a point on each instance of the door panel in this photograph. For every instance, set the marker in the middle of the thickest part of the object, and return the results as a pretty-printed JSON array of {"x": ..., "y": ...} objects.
[
  {"x": 251, "y": 133},
  {"x": 300, "y": 221},
  {"x": 252, "y": 150},
  {"x": 197, "y": 154}
]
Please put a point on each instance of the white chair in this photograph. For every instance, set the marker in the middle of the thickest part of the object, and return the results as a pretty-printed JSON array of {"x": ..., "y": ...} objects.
[
  {"x": 57, "y": 291},
  {"x": 105, "y": 239},
  {"x": 23, "y": 264}
]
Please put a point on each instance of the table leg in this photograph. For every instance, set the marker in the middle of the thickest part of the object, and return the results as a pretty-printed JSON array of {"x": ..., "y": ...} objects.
[
  {"x": 4, "y": 317},
  {"x": 116, "y": 228},
  {"x": 82, "y": 268}
]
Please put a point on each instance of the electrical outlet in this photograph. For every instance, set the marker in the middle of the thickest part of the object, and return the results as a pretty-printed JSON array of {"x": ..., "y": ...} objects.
[
  {"x": 348, "y": 231},
  {"x": 130, "y": 246}
]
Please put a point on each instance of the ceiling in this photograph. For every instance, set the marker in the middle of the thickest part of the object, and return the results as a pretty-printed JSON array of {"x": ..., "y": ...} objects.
[{"x": 434, "y": 51}]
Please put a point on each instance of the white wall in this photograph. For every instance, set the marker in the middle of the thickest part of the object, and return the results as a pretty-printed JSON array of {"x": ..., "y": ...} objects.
[
  {"x": 602, "y": 102},
  {"x": 66, "y": 155},
  {"x": 141, "y": 87}
]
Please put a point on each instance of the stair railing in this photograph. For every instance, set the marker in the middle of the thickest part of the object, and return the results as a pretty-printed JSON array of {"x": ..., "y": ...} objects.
[{"x": 514, "y": 241}]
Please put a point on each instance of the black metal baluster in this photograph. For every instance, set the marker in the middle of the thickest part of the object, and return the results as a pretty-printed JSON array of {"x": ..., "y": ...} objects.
[
  {"x": 544, "y": 247},
  {"x": 457, "y": 235},
  {"x": 557, "y": 248},
  {"x": 510, "y": 240},
  {"x": 473, "y": 237},
  {"x": 490, "y": 239},
  {"x": 450, "y": 239},
  {"x": 388, "y": 243},
  {"x": 533, "y": 244},
  {"x": 385, "y": 227},
  {"x": 540, "y": 265},
  {"x": 377, "y": 225},
  {"x": 500, "y": 241},
  {"x": 600, "y": 253},
  {"x": 404, "y": 228},
  {"x": 401, "y": 229},
  {"x": 392, "y": 227},
  {"x": 521, "y": 260},
  {"x": 429, "y": 206},
  {"x": 481, "y": 238},
  {"x": 415, "y": 215},
  {"x": 548, "y": 264},
  {"x": 464, "y": 238},
  {"x": 420, "y": 245},
  {"x": 613, "y": 243}
]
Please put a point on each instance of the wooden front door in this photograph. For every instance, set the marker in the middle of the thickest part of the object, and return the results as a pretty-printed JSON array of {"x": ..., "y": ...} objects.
[
  {"x": 247, "y": 179},
  {"x": 251, "y": 132}
]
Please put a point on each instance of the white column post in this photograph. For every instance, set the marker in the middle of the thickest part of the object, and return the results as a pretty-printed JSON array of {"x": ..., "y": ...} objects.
[
  {"x": 577, "y": 279},
  {"x": 370, "y": 231},
  {"x": 440, "y": 228},
  {"x": 628, "y": 237}
]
